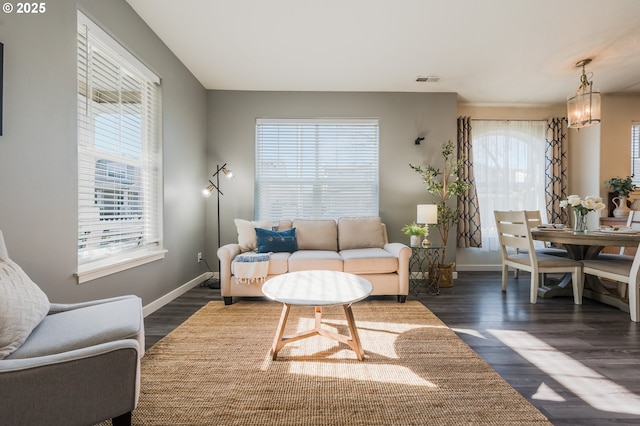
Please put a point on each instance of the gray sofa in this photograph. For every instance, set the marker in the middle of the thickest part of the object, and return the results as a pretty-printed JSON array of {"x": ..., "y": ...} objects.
[
  {"x": 79, "y": 364},
  {"x": 357, "y": 245}
]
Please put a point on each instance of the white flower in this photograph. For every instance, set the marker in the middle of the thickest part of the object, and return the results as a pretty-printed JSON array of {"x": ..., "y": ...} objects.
[
  {"x": 574, "y": 200},
  {"x": 590, "y": 203}
]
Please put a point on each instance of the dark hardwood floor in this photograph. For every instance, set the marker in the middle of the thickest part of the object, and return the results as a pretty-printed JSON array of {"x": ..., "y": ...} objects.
[{"x": 579, "y": 365}]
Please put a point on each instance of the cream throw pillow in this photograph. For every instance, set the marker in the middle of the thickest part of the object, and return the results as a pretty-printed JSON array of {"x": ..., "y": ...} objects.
[
  {"x": 247, "y": 233},
  {"x": 360, "y": 232},
  {"x": 22, "y": 306}
]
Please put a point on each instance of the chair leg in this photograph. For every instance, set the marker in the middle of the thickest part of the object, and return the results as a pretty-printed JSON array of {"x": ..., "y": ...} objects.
[
  {"x": 505, "y": 276},
  {"x": 535, "y": 281},
  {"x": 122, "y": 420},
  {"x": 578, "y": 286},
  {"x": 516, "y": 273},
  {"x": 634, "y": 301}
]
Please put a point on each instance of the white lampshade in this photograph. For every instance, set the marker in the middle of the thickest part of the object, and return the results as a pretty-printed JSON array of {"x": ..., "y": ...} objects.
[{"x": 427, "y": 213}]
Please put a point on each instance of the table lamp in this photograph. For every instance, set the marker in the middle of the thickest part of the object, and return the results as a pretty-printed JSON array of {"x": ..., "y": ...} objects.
[{"x": 427, "y": 215}]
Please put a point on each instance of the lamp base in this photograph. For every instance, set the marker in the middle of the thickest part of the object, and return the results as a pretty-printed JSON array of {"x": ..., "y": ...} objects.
[{"x": 426, "y": 243}]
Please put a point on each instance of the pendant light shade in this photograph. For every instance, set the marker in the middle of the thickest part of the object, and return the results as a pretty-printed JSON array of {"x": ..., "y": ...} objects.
[{"x": 583, "y": 108}]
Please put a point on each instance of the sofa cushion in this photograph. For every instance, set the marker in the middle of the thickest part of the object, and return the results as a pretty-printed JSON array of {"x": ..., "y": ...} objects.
[
  {"x": 360, "y": 232},
  {"x": 22, "y": 306},
  {"x": 247, "y": 233},
  {"x": 316, "y": 234},
  {"x": 305, "y": 260},
  {"x": 276, "y": 241},
  {"x": 278, "y": 263},
  {"x": 83, "y": 327},
  {"x": 368, "y": 261}
]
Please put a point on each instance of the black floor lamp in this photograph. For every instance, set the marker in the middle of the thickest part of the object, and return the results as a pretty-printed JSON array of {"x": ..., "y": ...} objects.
[{"x": 206, "y": 192}]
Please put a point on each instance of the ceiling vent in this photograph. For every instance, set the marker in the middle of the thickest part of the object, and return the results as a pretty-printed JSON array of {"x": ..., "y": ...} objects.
[{"x": 430, "y": 79}]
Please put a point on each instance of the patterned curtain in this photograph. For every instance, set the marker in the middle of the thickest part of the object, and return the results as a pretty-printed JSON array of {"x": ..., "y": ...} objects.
[
  {"x": 469, "y": 234},
  {"x": 556, "y": 172}
]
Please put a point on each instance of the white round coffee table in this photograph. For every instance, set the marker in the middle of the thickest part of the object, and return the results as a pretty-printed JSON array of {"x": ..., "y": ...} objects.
[{"x": 318, "y": 289}]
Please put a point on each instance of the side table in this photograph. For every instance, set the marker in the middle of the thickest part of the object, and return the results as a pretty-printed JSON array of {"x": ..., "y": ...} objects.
[{"x": 423, "y": 271}]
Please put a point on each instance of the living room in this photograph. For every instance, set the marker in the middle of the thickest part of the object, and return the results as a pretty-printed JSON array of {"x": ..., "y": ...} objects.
[{"x": 204, "y": 127}]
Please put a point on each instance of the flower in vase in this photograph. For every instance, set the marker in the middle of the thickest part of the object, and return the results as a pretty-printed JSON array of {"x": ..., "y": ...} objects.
[{"x": 589, "y": 204}]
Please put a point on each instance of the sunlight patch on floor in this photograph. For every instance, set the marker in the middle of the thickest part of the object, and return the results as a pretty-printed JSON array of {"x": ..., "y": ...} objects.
[
  {"x": 545, "y": 393},
  {"x": 382, "y": 373},
  {"x": 469, "y": 331},
  {"x": 332, "y": 359},
  {"x": 589, "y": 385}
]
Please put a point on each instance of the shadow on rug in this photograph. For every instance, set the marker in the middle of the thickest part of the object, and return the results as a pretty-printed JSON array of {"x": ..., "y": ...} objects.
[{"x": 216, "y": 369}]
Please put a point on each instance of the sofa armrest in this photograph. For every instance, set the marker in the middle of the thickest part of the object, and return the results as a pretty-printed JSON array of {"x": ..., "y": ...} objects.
[
  {"x": 403, "y": 253},
  {"x": 98, "y": 382},
  {"x": 226, "y": 254}
]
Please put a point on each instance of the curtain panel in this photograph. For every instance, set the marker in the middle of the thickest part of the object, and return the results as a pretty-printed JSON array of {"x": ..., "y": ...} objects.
[
  {"x": 469, "y": 234},
  {"x": 556, "y": 169}
]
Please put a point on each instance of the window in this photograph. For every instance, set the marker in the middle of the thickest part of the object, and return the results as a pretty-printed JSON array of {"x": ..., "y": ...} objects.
[
  {"x": 508, "y": 161},
  {"x": 316, "y": 169},
  {"x": 635, "y": 152},
  {"x": 119, "y": 156}
]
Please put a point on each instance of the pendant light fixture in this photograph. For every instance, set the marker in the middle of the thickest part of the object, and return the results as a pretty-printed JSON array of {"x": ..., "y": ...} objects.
[{"x": 583, "y": 108}]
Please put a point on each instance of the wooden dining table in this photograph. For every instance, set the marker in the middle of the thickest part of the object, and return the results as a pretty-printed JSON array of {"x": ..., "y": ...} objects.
[{"x": 587, "y": 245}]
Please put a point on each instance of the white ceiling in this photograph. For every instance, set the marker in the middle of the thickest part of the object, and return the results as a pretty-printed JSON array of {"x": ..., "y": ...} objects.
[{"x": 491, "y": 52}]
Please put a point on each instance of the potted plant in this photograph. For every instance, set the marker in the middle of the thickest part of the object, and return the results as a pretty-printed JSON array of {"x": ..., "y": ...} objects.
[
  {"x": 415, "y": 232},
  {"x": 624, "y": 187},
  {"x": 444, "y": 184}
]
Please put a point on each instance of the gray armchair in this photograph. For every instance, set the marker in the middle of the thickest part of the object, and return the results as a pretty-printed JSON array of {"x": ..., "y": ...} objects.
[{"x": 79, "y": 366}]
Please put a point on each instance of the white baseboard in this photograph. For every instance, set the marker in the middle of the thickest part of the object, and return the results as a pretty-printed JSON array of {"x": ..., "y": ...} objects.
[
  {"x": 479, "y": 268},
  {"x": 174, "y": 294}
]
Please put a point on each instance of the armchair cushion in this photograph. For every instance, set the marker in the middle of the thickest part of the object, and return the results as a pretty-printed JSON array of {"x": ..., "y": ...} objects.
[
  {"x": 86, "y": 326},
  {"x": 22, "y": 306}
]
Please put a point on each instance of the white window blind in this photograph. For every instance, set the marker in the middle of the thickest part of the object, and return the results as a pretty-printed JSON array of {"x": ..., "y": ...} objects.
[
  {"x": 316, "y": 168},
  {"x": 635, "y": 153},
  {"x": 119, "y": 149}
]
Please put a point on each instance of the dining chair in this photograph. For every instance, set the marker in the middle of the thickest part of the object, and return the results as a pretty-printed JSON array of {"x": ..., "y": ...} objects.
[
  {"x": 633, "y": 221},
  {"x": 534, "y": 219},
  {"x": 624, "y": 269},
  {"x": 514, "y": 233}
]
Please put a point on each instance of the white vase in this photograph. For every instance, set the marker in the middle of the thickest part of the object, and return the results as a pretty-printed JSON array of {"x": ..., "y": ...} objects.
[
  {"x": 622, "y": 209},
  {"x": 414, "y": 240}
]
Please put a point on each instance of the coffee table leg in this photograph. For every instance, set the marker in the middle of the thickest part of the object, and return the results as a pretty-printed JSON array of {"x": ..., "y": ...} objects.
[
  {"x": 278, "y": 343},
  {"x": 355, "y": 343}
]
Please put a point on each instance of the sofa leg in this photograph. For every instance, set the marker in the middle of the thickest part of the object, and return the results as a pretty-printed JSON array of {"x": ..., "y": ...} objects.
[
  {"x": 122, "y": 420},
  {"x": 227, "y": 300},
  {"x": 402, "y": 298}
]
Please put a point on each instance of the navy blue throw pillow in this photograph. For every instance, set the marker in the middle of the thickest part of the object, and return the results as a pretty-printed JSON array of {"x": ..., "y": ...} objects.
[{"x": 274, "y": 241}]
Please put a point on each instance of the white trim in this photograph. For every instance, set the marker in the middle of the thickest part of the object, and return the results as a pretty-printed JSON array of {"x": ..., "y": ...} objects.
[
  {"x": 478, "y": 267},
  {"x": 102, "y": 268},
  {"x": 174, "y": 294},
  {"x": 334, "y": 121},
  {"x": 116, "y": 47}
]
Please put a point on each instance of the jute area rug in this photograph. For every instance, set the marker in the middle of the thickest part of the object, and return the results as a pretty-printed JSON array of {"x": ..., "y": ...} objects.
[{"x": 215, "y": 369}]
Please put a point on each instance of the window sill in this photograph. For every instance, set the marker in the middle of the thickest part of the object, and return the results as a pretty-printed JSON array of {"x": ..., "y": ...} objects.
[{"x": 102, "y": 268}]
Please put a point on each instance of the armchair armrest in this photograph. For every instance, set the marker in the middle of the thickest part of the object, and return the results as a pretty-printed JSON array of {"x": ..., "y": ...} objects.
[
  {"x": 63, "y": 307},
  {"x": 113, "y": 365},
  {"x": 226, "y": 254}
]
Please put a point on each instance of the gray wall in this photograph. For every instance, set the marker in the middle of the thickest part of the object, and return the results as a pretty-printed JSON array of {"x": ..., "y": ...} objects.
[
  {"x": 38, "y": 199},
  {"x": 403, "y": 116}
]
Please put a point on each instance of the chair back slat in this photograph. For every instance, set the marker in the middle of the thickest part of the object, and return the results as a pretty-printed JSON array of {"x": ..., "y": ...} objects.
[{"x": 514, "y": 231}]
